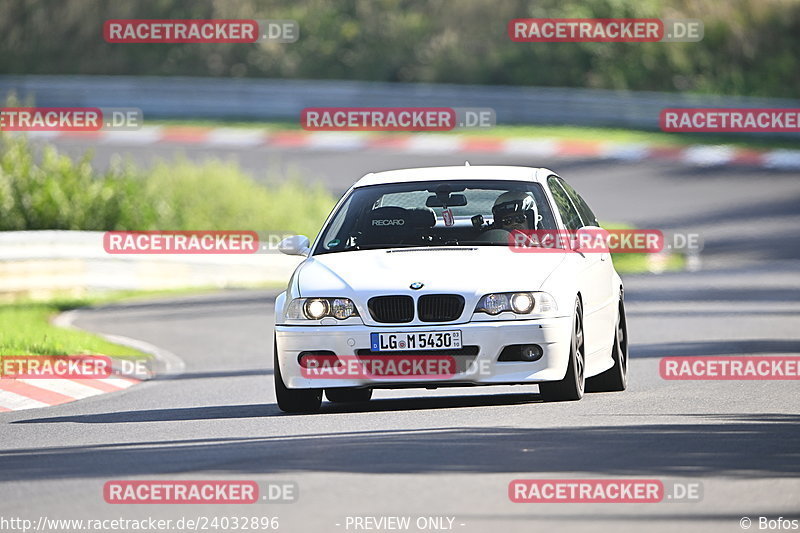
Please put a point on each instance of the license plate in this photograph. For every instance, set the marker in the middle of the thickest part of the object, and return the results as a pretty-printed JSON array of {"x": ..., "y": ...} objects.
[{"x": 428, "y": 340}]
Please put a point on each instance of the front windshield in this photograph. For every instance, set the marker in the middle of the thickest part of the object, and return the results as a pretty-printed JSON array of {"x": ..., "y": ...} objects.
[{"x": 436, "y": 213}]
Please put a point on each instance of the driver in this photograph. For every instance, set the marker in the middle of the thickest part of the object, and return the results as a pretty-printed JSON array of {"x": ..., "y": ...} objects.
[{"x": 515, "y": 211}]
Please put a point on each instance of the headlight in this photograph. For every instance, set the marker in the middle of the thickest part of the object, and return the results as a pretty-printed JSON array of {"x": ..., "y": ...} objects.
[
  {"x": 316, "y": 308},
  {"x": 343, "y": 308},
  {"x": 319, "y": 308},
  {"x": 493, "y": 304},
  {"x": 521, "y": 303}
]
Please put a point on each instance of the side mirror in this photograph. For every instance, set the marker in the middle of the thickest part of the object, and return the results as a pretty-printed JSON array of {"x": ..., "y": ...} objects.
[
  {"x": 295, "y": 245},
  {"x": 591, "y": 239}
]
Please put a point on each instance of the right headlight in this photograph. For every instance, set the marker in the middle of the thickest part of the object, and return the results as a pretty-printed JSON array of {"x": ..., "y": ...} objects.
[
  {"x": 521, "y": 303},
  {"x": 319, "y": 308}
]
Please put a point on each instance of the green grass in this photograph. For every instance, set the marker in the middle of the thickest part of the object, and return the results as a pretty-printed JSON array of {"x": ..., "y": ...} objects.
[
  {"x": 28, "y": 331},
  {"x": 640, "y": 263},
  {"x": 575, "y": 133},
  {"x": 628, "y": 263},
  {"x": 27, "y": 327}
]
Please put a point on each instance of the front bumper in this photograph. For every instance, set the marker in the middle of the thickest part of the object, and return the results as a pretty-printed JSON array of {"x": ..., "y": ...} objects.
[{"x": 552, "y": 334}]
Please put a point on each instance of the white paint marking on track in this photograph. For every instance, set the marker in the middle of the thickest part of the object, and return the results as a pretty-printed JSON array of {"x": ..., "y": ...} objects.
[
  {"x": 625, "y": 152},
  {"x": 335, "y": 140},
  {"x": 17, "y": 402},
  {"x": 67, "y": 387},
  {"x": 235, "y": 137},
  {"x": 782, "y": 159},
  {"x": 532, "y": 147},
  {"x": 708, "y": 156},
  {"x": 433, "y": 144},
  {"x": 426, "y": 143},
  {"x": 121, "y": 383},
  {"x": 146, "y": 135}
]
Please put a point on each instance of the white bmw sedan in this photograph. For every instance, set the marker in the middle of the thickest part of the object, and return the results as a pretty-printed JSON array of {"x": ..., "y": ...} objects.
[{"x": 415, "y": 281}]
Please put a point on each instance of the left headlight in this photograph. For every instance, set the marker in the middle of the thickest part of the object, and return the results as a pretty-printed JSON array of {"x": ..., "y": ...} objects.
[
  {"x": 319, "y": 308},
  {"x": 521, "y": 303}
]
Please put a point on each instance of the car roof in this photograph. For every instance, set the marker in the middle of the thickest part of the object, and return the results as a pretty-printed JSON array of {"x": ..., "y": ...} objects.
[{"x": 477, "y": 172}]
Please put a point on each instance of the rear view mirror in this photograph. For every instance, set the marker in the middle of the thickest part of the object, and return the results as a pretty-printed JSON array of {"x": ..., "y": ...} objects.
[{"x": 454, "y": 200}]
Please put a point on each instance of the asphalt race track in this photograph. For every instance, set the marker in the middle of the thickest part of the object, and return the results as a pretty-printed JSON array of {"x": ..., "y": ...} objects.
[{"x": 453, "y": 452}]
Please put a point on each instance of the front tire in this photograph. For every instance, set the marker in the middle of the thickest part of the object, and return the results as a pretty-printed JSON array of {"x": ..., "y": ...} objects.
[
  {"x": 571, "y": 387},
  {"x": 293, "y": 400},
  {"x": 615, "y": 379}
]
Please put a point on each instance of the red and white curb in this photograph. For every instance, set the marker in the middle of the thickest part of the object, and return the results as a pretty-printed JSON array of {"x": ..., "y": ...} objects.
[
  {"x": 19, "y": 394},
  {"x": 427, "y": 143}
]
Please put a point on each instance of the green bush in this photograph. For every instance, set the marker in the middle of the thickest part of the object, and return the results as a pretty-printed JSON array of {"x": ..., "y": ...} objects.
[
  {"x": 48, "y": 190},
  {"x": 750, "y": 47}
]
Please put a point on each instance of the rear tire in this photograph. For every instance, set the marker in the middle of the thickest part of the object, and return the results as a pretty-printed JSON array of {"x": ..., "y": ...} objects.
[
  {"x": 571, "y": 387},
  {"x": 293, "y": 400},
  {"x": 348, "y": 395},
  {"x": 615, "y": 379}
]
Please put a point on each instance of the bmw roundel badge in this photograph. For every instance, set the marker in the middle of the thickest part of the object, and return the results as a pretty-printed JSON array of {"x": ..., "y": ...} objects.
[{"x": 417, "y": 285}]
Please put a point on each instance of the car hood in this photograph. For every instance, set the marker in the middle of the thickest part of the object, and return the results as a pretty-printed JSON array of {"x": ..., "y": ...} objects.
[{"x": 467, "y": 271}]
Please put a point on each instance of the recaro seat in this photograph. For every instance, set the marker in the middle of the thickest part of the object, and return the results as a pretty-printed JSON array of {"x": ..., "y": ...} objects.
[{"x": 396, "y": 225}]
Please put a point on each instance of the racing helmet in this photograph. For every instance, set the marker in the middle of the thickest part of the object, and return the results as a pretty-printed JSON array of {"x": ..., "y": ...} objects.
[{"x": 515, "y": 203}]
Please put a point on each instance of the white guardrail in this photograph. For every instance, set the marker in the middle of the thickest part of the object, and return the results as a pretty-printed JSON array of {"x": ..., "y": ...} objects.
[
  {"x": 271, "y": 99},
  {"x": 40, "y": 264}
]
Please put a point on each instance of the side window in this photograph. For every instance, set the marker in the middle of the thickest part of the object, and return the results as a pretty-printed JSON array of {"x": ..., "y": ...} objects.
[
  {"x": 572, "y": 220},
  {"x": 586, "y": 213}
]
